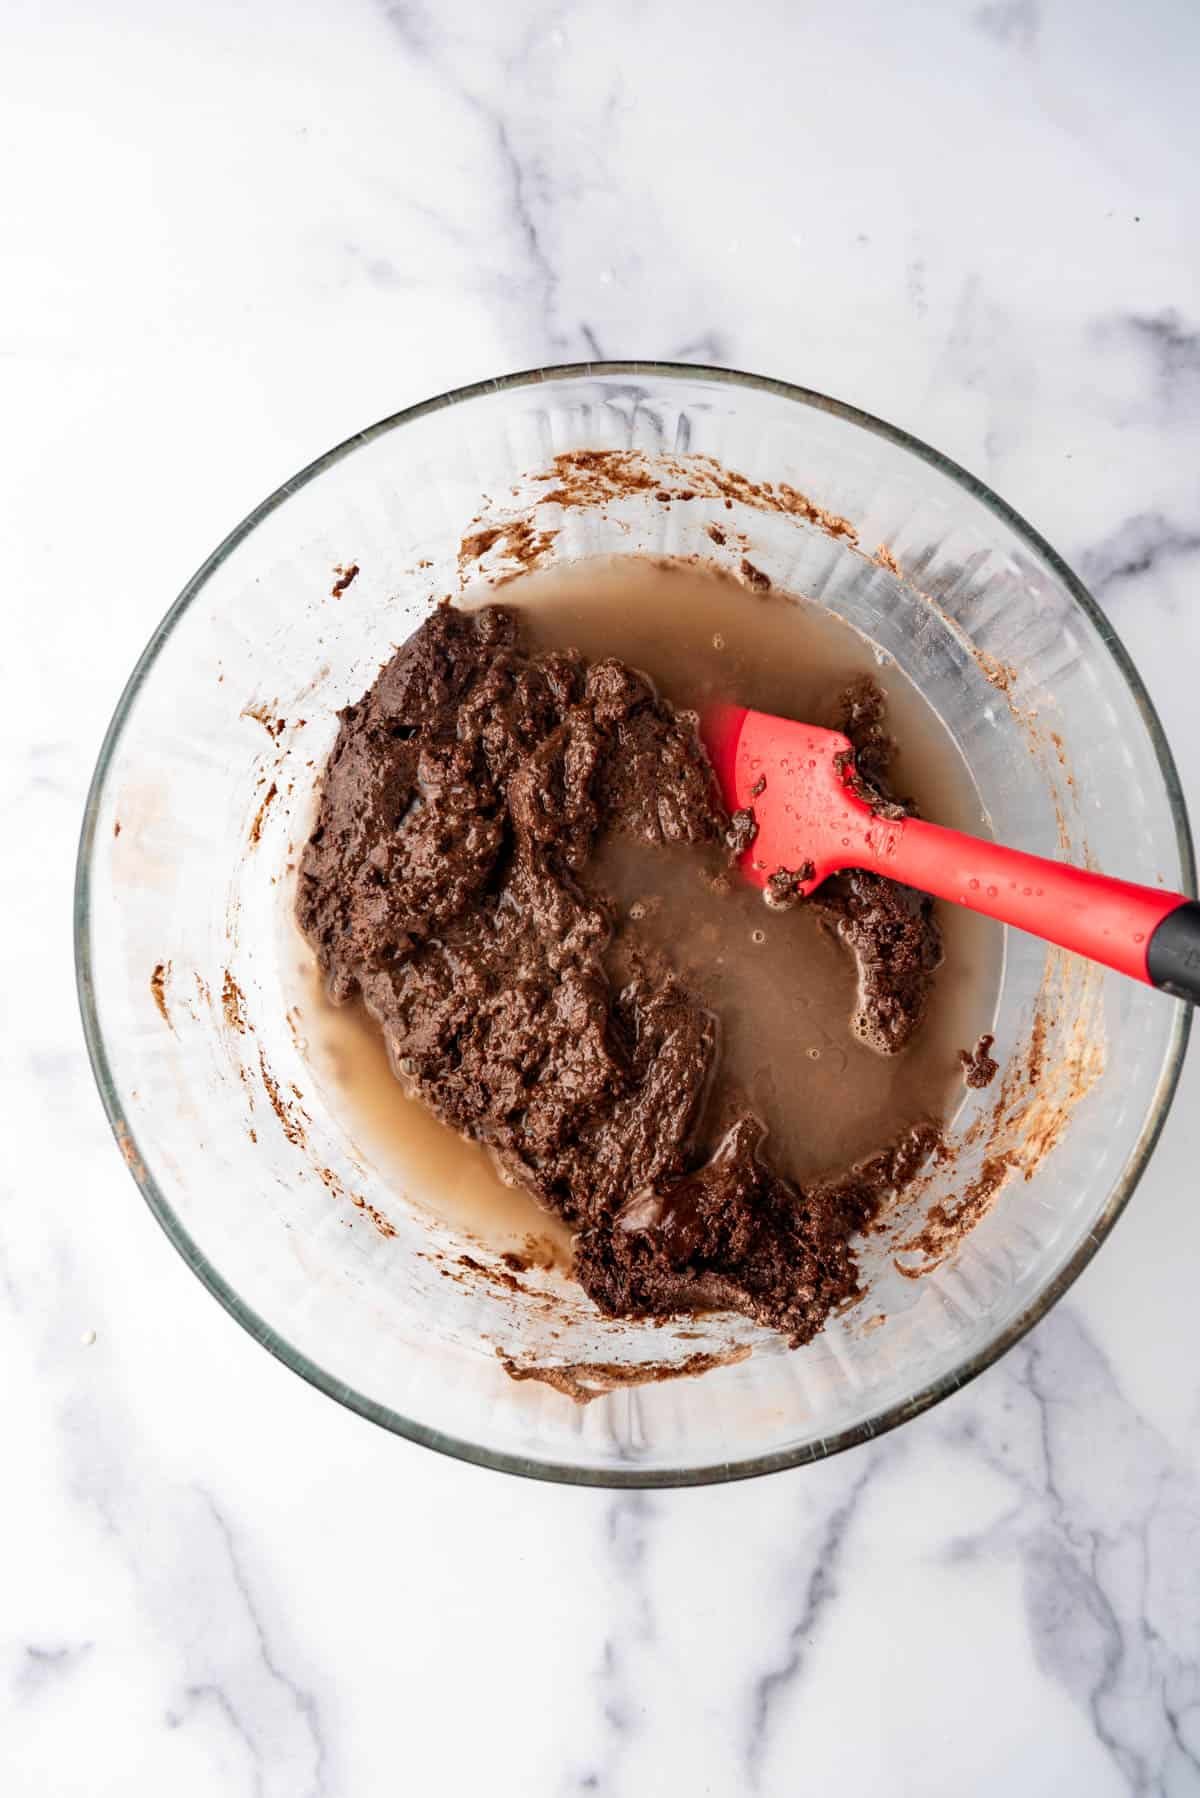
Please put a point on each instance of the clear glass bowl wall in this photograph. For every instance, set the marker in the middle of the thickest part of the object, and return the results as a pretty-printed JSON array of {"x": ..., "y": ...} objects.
[{"x": 182, "y": 886}]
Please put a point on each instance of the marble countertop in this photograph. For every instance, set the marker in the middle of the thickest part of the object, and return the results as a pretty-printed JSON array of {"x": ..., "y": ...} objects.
[{"x": 237, "y": 233}]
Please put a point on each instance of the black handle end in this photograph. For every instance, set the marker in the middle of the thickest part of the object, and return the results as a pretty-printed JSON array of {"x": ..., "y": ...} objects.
[{"x": 1173, "y": 952}]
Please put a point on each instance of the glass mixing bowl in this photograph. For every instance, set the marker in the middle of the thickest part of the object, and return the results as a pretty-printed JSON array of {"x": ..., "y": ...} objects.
[{"x": 187, "y": 955}]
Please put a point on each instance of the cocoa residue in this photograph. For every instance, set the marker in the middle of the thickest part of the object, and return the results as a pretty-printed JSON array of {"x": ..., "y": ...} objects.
[
  {"x": 345, "y": 572},
  {"x": 582, "y": 1381},
  {"x": 383, "y": 1224},
  {"x": 1002, "y": 675},
  {"x": 1060, "y": 750},
  {"x": 591, "y": 477},
  {"x": 518, "y": 541},
  {"x": 158, "y": 987},
  {"x": 754, "y": 577},
  {"x": 233, "y": 1003},
  {"x": 477, "y": 543},
  {"x": 132, "y": 1159},
  {"x": 291, "y": 1115},
  {"x": 948, "y": 1223},
  {"x": 499, "y": 1276},
  {"x": 256, "y": 827},
  {"x": 263, "y": 715}
]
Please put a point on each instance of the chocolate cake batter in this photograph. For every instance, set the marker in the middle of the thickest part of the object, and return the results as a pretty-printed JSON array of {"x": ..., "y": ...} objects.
[{"x": 455, "y": 880}]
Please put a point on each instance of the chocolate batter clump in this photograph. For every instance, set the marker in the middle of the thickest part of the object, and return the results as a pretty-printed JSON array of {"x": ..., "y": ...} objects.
[
  {"x": 447, "y": 882},
  {"x": 979, "y": 1065},
  {"x": 892, "y": 934}
]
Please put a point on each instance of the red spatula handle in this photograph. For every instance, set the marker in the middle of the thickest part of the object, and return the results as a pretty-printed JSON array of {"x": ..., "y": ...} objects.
[{"x": 1141, "y": 931}]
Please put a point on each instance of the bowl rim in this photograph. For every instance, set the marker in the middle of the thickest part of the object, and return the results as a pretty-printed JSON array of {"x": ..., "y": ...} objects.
[{"x": 752, "y": 1466}]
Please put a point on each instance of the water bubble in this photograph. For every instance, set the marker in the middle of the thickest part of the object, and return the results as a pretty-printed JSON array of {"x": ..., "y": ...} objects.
[
  {"x": 974, "y": 885},
  {"x": 1139, "y": 937},
  {"x": 1027, "y": 891},
  {"x": 814, "y": 1054},
  {"x": 758, "y": 936},
  {"x": 991, "y": 892}
]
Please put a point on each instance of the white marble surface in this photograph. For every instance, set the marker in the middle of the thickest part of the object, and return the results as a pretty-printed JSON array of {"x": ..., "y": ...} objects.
[{"x": 234, "y": 232}]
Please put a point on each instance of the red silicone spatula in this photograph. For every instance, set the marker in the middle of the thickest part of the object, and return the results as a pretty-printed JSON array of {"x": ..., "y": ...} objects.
[{"x": 802, "y": 787}]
